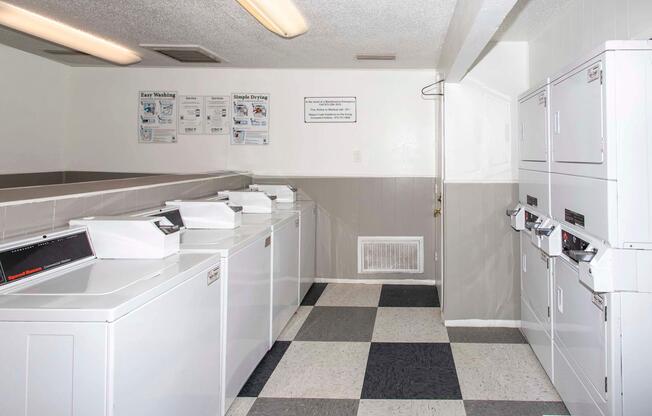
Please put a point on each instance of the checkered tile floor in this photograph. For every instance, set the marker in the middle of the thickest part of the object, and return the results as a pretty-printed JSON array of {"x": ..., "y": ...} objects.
[{"x": 375, "y": 350}]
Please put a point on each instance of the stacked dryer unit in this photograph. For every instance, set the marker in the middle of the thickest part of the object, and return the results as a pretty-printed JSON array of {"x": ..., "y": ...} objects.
[
  {"x": 532, "y": 218},
  {"x": 601, "y": 199}
]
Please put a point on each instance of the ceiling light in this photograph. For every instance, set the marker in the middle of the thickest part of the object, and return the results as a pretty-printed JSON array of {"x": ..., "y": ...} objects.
[
  {"x": 59, "y": 33},
  {"x": 279, "y": 16}
]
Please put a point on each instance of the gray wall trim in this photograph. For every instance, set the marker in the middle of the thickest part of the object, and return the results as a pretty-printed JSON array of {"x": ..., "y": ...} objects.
[
  {"x": 349, "y": 207},
  {"x": 25, "y": 218},
  {"x": 481, "y": 260}
]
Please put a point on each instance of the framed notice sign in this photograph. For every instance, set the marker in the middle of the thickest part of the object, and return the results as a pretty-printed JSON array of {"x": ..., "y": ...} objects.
[{"x": 330, "y": 110}]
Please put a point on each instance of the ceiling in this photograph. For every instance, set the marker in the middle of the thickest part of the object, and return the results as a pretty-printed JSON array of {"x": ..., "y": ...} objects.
[
  {"x": 414, "y": 30},
  {"x": 529, "y": 18}
]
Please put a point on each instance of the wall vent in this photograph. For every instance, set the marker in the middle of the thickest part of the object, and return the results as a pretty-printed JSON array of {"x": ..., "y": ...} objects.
[
  {"x": 387, "y": 57},
  {"x": 390, "y": 254},
  {"x": 187, "y": 54}
]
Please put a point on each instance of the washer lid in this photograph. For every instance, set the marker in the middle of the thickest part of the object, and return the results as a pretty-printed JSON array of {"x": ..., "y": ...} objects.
[
  {"x": 274, "y": 220},
  {"x": 99, "y": 290},
  {"x": 225, "y": 242},
  {"x": 99, "y": 278}
]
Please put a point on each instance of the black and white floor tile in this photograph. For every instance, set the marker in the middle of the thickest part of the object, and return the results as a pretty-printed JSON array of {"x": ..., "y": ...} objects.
[{"x": 377, "y": 350}]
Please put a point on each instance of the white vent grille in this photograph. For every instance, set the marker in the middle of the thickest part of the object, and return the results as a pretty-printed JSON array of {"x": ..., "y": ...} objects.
[{"x": 390, "y": 254}]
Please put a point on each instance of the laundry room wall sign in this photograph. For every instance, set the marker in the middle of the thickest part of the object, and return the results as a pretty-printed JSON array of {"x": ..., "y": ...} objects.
[
  {"x": 157, "y": 117},
  {"x": 330, "y": 109},
  {"x": 250, "y": 118}
]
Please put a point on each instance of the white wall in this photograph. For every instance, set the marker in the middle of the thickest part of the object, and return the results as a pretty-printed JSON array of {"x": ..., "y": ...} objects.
[
  {"x": 582, "y": 27},
  {"x": 481, "y": 117},
  {"x": 33, "y": 105},
  {"x": 394, "y": 135}
]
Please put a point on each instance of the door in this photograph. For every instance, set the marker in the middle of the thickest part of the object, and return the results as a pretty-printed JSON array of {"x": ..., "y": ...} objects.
[
  {"x": 580, "y": 327},
  {"x": 577, "y": 116},
  {"x": 534, "y": 127},
  {"x": 308, "y": 236},
  {"x": 535, "y": 280},
  {"x": 285, "y": 276}
]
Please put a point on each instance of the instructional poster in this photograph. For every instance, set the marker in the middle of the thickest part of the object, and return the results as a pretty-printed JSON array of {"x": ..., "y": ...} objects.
[
  {"x": 217, "y": 114},
  {"x": 157, "y": 117},
  {"x": 330, "y": 110},
  {"x": 250, "y": 119},
  {"x": 191, "y": 114}
]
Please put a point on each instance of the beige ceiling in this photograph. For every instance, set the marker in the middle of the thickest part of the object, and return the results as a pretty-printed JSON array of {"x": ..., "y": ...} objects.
[{"x": 414, "y": 30}]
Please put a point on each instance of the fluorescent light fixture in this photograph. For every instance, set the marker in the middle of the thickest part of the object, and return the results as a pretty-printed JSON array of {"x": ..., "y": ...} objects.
[
  {"x": 279, "y": 16},
  {"x": 42, "y": 27}
]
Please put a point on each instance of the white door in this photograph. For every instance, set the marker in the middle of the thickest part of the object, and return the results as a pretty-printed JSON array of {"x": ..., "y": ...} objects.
[
  {"x": 577, "y": 116},
  {"x": 579, "y": 327},
  {"x": 307, "y": 262},
  {"x": 534, "y": 127},
  {"x": 285, "y": 275},
  {"x": 535, "y": 281}
]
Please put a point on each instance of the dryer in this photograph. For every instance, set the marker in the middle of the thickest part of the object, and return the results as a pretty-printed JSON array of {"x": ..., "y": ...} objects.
[{"x": 84, "y": 336}]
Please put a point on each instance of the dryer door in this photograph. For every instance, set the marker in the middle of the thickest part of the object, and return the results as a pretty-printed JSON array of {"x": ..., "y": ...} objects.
[
  {"x": 580, "y": 327},
  {"x": 534, "y": 127},
  {"x": 577, "y": 116}
]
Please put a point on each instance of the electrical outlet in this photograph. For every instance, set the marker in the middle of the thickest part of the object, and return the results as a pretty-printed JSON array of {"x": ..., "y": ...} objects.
[{"x": 357, "y": 156}]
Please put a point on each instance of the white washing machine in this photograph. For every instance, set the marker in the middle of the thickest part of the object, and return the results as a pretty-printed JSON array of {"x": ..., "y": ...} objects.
[
  {"x": 284, "y": 270},
  {"x": 246, "y": 261},
  {"x": 83, "y": 336},
  {"x": 536, "y": 294},
  {"x": 307, "y": 211}
]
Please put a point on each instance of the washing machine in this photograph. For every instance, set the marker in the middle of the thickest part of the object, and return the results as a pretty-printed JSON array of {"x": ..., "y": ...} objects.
[
  {"x": 284, "y": 270},
  {"x": 283, "y": 193},
  {"x": 307, "y": 211},
  {"x": 87, "y": 336},
  {"x": 246, "y": 260}
]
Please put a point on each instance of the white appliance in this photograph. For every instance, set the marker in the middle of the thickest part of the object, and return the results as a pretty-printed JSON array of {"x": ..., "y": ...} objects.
[
  {"x": 307, "y": 211},
  {"x": 601, "y": 176},
  {"x": 534, "y": 142},
  {"x": 283, "y": 193},
  {"x": 246, "y": 254},
  {"x": 600, "y": 233},
  {"x": 202, "y": 214},
  {"x": 88, "y": 337},
  {"x": 284, "y": 270},
  {"x": 252, "y": 202},
  {"x": 131, "y": 237},
  {"x": 602, "y": 360}
]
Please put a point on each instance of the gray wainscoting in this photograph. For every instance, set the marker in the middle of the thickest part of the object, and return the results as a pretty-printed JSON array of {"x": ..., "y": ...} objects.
[
  {"x": 22, "y": 218},
  {"x": 353, "y": 206},
  {"x": 481, "y": 265}
]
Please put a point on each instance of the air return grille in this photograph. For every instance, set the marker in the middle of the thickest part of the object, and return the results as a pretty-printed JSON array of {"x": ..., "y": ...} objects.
[
  {"x": 390, "y": 254},
  {"x": 189, "y": 54}
]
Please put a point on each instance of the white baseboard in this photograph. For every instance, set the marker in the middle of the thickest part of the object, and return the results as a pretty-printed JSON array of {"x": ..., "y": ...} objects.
[
  {"x": 479, "y": 323},
  {"x": 378, "y": 281}
]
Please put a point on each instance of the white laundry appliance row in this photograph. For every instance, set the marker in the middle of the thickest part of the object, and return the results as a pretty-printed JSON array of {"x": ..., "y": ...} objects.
[
  {"x": 165, "y": 311},
  {"x": 585, "y": 216}
]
